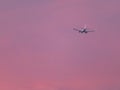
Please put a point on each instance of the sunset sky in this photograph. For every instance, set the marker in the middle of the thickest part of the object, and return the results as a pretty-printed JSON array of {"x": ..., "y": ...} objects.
[{"x": 40, "y": 51}]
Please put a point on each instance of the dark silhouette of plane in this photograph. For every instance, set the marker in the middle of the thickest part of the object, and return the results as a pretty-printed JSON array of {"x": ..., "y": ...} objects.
[{"x": 83, "y": 30}]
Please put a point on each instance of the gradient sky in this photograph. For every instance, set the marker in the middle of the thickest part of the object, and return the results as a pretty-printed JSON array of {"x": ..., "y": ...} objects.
[{"x": 40, "y": 51}]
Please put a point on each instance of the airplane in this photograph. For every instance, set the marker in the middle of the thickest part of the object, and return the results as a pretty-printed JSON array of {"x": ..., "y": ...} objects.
[{"x": 83, "y": 30}]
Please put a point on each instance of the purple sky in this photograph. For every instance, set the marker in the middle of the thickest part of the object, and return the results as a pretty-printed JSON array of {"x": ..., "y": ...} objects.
[{"x": 40, "y": 51}]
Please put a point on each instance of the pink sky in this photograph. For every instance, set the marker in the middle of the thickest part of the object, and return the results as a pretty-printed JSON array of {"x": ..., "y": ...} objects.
[{"x": 40, "y": 51}]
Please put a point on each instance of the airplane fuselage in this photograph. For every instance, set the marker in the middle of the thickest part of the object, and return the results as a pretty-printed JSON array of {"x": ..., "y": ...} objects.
[{"x": 83, "y": 30}]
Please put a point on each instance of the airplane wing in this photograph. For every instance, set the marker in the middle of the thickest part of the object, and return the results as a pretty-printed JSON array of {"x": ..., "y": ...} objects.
[
  {"x": 91, "y": 31},
  {"x": 76, "y": 29}
]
